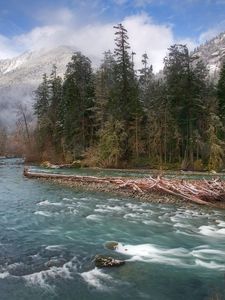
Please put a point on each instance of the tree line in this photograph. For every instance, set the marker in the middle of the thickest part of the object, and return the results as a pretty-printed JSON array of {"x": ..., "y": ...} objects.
[{"x": 118, "y": 116}]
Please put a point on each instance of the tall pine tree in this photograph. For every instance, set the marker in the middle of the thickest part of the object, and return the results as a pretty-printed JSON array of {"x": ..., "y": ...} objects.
[{"x": 78, "y": 94}]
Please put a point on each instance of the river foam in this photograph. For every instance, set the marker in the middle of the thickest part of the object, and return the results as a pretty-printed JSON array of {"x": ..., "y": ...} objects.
[
  {"x": 48, "y": 203},
  {"x": 96, "y": 218},
  {"x": 212, "y": 231},
  {"x": 43, "y": 278},
  {"x": 4, "y": 274},
  {"x": 42, "y": 275},
  {"x": 43, "y": 213},
  {"x": 97, "y": 278},
  {"x": 179, "y": 257},
  {"x": 152, "y": 253}
]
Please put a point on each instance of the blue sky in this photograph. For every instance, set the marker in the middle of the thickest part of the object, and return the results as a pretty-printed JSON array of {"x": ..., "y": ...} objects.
[{"x": 86, "y": 25}]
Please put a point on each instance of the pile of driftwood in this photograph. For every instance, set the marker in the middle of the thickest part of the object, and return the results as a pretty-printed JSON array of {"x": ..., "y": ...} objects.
[{"x": 199, "y": 191}]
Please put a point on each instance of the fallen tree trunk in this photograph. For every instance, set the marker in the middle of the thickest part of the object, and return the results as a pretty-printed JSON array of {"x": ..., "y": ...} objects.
[{"x": 200, "y": 192}]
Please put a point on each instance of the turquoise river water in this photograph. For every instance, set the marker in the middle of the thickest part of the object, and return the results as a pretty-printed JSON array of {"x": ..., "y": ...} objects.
[{"x": 50, "y": 234}]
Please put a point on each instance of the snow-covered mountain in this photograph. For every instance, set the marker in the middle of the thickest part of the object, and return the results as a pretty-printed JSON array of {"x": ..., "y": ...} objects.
[
  {"x": 21, "y": 75},
  {"x": 213, "y": 54}
]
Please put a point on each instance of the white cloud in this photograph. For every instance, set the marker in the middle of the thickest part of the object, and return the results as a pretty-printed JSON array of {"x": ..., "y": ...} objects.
[
  {"x": 42, "y": 37},
  {"x": 94, "y": 39},
  {"x": 145, "y": 36},
  {"x": 6, "y": 48}
]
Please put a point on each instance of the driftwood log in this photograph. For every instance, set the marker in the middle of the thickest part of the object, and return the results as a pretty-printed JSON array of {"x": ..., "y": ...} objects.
[{"x": 204, "y": 192}]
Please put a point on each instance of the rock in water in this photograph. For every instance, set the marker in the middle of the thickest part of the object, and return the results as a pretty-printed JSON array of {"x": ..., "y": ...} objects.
[
  {"x": 107, "y": 262},
  {"x": 111, "y": 245}
]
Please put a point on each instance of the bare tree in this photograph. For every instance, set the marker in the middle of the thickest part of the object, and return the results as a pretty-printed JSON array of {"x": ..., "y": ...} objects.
[{"x": 24, "y": 122}]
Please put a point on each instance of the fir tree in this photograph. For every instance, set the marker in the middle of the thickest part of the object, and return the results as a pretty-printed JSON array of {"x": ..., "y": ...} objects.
[
  {"x": 185, "y": 85},
  {"x": 104, "y": 83},
  {"x": 125, "y": 103},
  {"x": 55, "y": 114},
  {"x": 125, "y": 90},
  {"x": 221, "y": 93},
  {"x": 41, "y": 98},
  {"x": 41, "y": 110},
  {"x": 78, "y": 94}
]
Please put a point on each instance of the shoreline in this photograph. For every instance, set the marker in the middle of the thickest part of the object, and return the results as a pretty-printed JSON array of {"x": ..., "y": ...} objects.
[
  {"x": 110, "y": 186},
  {"x": 110, "y": 189}
]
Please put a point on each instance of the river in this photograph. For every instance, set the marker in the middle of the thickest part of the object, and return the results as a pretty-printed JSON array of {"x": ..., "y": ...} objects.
[{"x": 50, "y": 235}]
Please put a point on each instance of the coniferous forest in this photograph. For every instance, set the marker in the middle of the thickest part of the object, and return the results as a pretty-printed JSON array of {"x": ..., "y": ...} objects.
[{"x": 118, "y": 116}]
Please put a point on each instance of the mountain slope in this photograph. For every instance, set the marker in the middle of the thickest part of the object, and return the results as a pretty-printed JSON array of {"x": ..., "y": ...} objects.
[
  {"x": 20, "y": 76},
  {"x": 212, "y": 53}
]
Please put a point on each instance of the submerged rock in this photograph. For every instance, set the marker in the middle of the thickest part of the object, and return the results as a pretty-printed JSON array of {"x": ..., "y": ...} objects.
[
  {"x": 107, "y": 262},
  {"x": 111, "y": 245}
]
